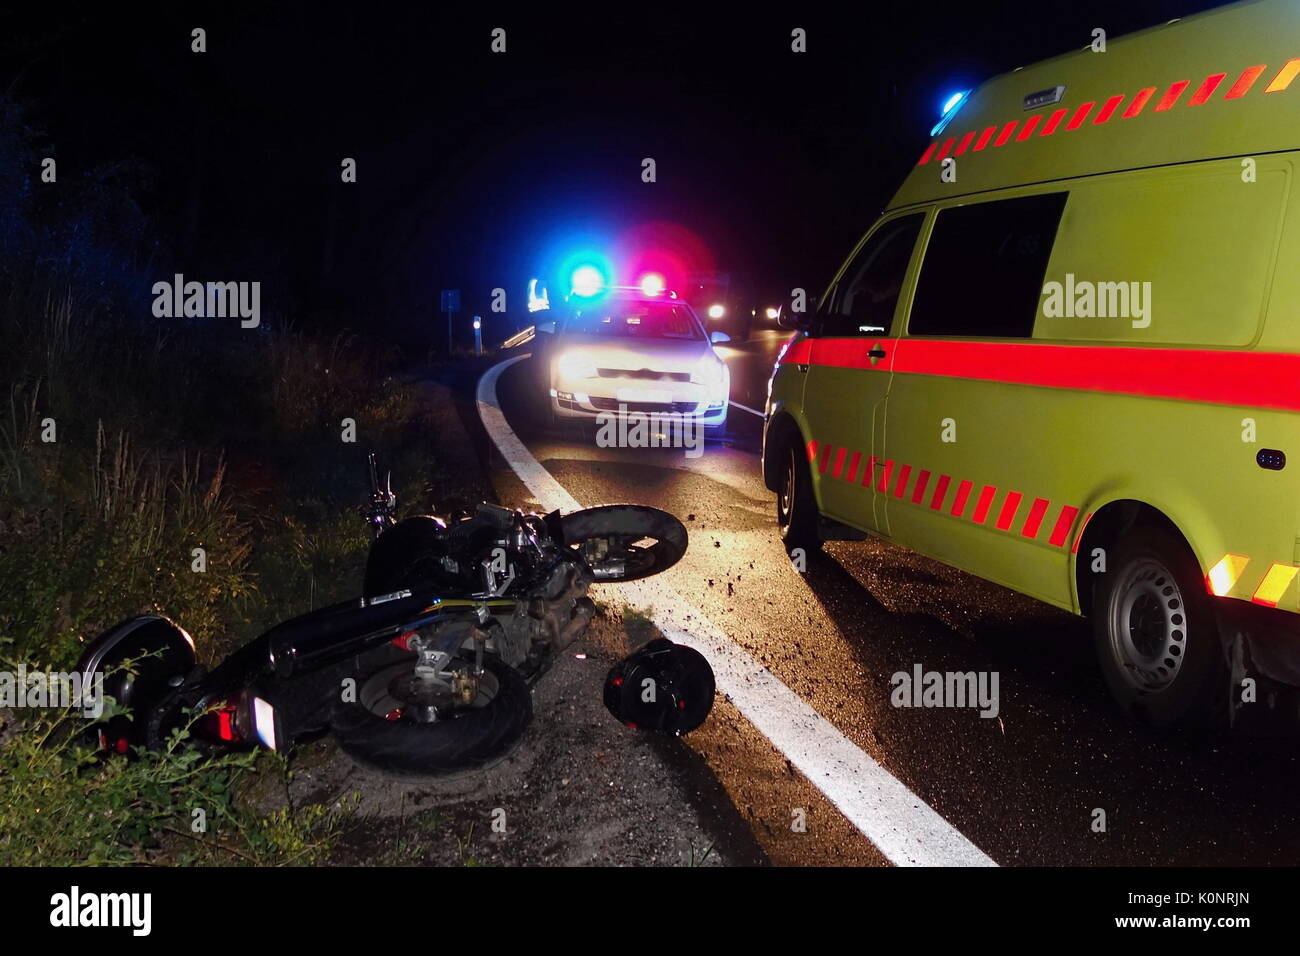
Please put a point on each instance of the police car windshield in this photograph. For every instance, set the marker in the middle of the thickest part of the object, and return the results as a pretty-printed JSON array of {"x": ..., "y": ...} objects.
[{"x": 634, "y": 320}]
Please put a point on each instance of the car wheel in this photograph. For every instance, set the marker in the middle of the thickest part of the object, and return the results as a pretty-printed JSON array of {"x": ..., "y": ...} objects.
[
  {"x": 1155, "y": 632},
  {"x": 796, "y": 506}
]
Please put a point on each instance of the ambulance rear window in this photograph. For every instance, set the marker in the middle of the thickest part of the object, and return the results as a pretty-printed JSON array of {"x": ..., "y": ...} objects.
[{"x": 984, "y": 267}]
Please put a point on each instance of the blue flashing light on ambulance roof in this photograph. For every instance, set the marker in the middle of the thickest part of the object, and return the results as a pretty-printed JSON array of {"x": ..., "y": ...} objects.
[{"x": 950, "y": 107}]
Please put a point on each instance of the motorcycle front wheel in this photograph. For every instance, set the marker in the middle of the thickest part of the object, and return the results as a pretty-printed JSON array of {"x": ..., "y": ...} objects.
[
  {"x": 382, "y": 728},
  {"x": 625, "y": 542}
]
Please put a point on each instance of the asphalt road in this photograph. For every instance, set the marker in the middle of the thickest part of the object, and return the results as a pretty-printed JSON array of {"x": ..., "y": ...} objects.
[{"x": 1026, "y": 786}]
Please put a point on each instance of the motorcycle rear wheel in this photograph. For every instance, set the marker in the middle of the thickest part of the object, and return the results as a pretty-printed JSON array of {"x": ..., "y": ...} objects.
[{"x": 381, "y": 738}]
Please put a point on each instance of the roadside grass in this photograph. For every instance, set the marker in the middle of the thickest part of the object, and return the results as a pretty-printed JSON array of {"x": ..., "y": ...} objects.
[
  {"x": 194, "y": 472},
  {"x": 62, "y": 804}
]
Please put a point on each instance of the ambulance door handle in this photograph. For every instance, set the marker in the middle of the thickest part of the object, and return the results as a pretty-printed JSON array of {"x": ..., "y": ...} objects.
[{"x": 876, "y": 353}]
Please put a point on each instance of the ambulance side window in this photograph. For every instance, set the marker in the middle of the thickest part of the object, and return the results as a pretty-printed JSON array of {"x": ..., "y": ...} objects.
[
  {"x": 984, "y": 267},
  {"x": 864, "y": 300}
]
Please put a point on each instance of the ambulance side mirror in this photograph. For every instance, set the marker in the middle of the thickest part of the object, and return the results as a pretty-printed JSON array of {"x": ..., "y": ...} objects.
[{"x": 792, "y": 321}]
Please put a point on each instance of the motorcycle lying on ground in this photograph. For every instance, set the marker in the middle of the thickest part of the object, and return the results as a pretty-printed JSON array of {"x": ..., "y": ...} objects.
[{"x": 426, "y": 673}]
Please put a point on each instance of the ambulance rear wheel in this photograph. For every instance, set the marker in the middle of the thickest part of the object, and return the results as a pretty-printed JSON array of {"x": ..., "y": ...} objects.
[
  {"x": 796, "y": 506},
  {"x": 1155, "y": 632}
]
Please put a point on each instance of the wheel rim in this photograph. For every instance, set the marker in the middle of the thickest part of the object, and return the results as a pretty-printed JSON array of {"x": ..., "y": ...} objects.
[
  {"x": 1148, "y": 626},
  {"x": 785, "y": 498},
  {"x": 637, "y": 552},
  {"x": 394, "y": 693}
]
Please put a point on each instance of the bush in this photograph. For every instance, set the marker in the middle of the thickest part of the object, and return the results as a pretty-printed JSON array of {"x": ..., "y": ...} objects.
[{"x": 62, "y": 805}]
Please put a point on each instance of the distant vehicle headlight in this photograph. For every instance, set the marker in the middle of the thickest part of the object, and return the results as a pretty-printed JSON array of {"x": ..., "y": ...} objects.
[
  {"x": 717, "y": 311},
  {"x": 771, "y": 312},
  {"x": 573, "y": 365}
]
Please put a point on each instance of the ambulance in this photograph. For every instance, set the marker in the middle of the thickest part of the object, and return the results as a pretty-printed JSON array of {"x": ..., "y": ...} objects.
[{"x": 1066, "y": 358}]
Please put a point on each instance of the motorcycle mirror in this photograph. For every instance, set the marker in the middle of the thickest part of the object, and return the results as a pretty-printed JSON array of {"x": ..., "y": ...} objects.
[{"x": 661, "y": 686}]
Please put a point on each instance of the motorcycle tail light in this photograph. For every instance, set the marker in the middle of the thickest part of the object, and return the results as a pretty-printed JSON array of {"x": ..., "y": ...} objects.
[
  {"x": 219, "y": 722},
  {"x": 243, "y": 718}
]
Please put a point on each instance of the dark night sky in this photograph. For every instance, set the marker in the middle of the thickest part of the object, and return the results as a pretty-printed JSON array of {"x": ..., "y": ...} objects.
[{"x": 473, "y": 166}]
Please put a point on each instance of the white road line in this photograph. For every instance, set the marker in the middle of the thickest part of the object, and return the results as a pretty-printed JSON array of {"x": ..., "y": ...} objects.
[
  {"x": 904, "y": 827},
  {"x": 549, "y": 493},
  {"x": 746, "y": 408}
]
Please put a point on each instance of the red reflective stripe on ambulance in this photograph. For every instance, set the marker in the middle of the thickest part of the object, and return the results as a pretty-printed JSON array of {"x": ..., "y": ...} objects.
[
  {"x": 983, "y": 504},
  {"x": 1053, "y": 121},
  {"x": 1244, "y": 82},
  {"x": 1063, "y": 524},
  {"x": 883, "y": 484},
  {"x": 944, "y": 151},
  {"x": 1009, "y": 508},
  {"x": 984, "y": 138},
  {"x": 921, "y": 481},
  {"x": 1171, "y": 95},
  {"x": 929, "y": 151},
  {"x": 1080, "y": 115},
  {"x": 839, "y": 353},
  {"x": 1107, "y": 109},
  {"x": 1074, "y": 549},
  {"x": 965, "y": 141},
  {"x": 839, "y": 463},
  {"x": 798, "y": 353},
  {"x": 1028, "y": 129},
  {"x": 940, "y": 490},
  {"x": 812, "y": 450},
  {"x": 868, "y": 473},
  {"x": 853, "y": 466},
  {"x": 826, "y": 457},
  {"x": 1034, "y": 521},
  {"x": 1219, "y": 377},
  {"x": 900, "y": 486},
  {"x": 959, "y": 502},
  {"x": 1139, "y": 101},
  {"x": 1206, "y": 89},
  {"x": 1006, "y": 133}
]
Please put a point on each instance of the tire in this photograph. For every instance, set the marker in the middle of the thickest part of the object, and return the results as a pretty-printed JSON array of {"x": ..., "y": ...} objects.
[
  {"x": 630, "y": 522},
  {"x": 469, "y": 739},
  {"x": 796, "y": 507},
  {"x": 1155, "y": 633},
  {"x": 406, "y": 554}
]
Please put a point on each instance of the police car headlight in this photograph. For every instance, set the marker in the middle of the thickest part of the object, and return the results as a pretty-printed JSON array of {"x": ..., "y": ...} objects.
[
  {"x": 573, "y": 365},
  {"x": 712, "y": 373}
]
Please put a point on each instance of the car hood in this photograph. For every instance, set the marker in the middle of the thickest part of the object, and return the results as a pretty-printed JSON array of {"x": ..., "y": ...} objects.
[{"x": 660, "y": 355}]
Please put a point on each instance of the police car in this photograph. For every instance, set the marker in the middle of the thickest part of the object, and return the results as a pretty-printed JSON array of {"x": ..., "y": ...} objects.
[
  {"x": 1067, "y": 358},
  {"x": 614, "y": 350}
]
